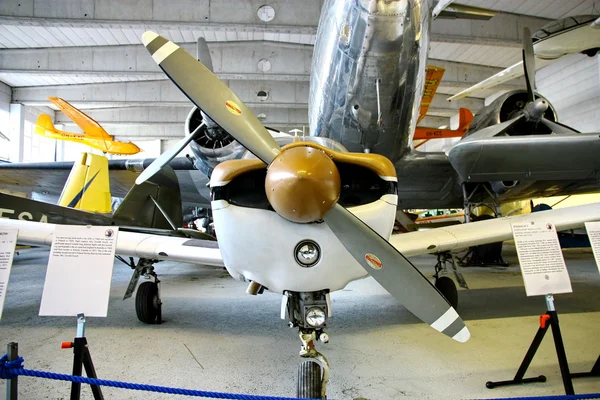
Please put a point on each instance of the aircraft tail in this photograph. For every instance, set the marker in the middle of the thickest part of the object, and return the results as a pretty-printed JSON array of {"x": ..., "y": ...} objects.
[
  {"x": 44, "y": 123},
  {"x": 465, "y": 117},
  {"x": 88, "y": 186},
  {"x": 155, "y": 204}
]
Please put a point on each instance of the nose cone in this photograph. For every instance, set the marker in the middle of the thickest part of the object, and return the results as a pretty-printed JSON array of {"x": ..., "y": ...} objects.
[
  {"x": 302, "y": 184},
  {"x": 536, "y": 109}
]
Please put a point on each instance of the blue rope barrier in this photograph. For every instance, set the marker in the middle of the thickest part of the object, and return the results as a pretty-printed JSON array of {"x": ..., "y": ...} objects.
[
  {"x": 557, "y": 397},
  {"x": 13, "y": 369}
]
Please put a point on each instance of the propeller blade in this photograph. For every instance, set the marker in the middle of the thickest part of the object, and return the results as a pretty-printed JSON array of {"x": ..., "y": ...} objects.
[
  {"x": 165, "y": 157},
  {"x": 203, "y": 54},
  {"x": 212, "y": 96},
  {"x": 557, "y": 127},
  {"x": 395, "y": 273},
  {"x": 529, "y": 63},
  {"x": 493, "y": 130}
]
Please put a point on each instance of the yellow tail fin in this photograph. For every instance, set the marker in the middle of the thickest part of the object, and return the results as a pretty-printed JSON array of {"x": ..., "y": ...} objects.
[
  {"x": 88, "y": 186},
  {"x": 43, "y": 124}
]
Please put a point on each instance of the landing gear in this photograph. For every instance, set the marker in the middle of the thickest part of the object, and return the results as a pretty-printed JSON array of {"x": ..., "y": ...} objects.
[
  {"x": 487, "y": 254},
  {"x": 309, "y": 312},
  {"x": 444, "y": 283},
  {"x": 309, "y": 380},
  {"x": 148, "y": 305},
  {"x": 448, "y": 289}
]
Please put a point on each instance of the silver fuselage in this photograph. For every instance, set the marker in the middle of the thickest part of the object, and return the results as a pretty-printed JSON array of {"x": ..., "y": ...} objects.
[{"x": 368, "y": 73}]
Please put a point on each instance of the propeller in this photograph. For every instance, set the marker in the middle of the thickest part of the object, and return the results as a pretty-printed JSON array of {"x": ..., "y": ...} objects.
[
  {"x": 303, "y": 185},
  {"x": 534, "y": 110},
  {"x": 529, "y": 63}
]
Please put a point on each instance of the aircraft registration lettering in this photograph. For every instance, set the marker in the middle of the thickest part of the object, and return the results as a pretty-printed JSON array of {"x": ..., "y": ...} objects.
[
  {"x": 8, "y": 213},
  {"x": 373, "y": 261},
  {"x": 233, "y": 108}
]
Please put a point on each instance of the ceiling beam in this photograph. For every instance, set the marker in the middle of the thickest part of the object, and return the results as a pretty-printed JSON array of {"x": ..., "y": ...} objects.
[
  {"x": 109, "y": 117},
  {"x": 281, "y": 94},
  {"x": 231, "y": 60},
  {"x": 289, "y": 15},
  {"x": 501, "y": 30},
  {"x": 220, "y": 20}
]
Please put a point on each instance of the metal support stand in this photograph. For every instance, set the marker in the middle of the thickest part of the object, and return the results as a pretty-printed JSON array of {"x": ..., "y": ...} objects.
[
  {"x": 82, "y": 359},
  {"x": 594, "y": 372},
  {"x": 550, "y": 318},
  {"x": 12, "y": 385}
]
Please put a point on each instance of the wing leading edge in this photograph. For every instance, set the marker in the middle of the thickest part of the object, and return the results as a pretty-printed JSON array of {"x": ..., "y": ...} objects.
[{"x": 449, "y": 238}]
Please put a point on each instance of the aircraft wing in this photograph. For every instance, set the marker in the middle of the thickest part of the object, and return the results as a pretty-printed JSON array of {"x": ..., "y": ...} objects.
[
  {"x": 410, "y": 244},
  {"x": 87, "y": 124},
  {"x": 512, "y": 72},
  {"x": 46, "y": 180},
  {"x": 131, "y": 244},
  {"x": 569, "y": 40},
  {"x": 527, "y": 157},
  {"x": 461, "y": 236}
]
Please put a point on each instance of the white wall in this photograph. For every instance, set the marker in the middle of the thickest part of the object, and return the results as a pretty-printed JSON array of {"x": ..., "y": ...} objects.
[
  {"x": 36, "y": 148},
  {"x": 572, "y": 85},
  {"x": 5, "y": 96}
]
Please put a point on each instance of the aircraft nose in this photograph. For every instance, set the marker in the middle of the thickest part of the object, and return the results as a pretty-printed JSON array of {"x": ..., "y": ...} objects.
[{"x": 302, "y": 184}]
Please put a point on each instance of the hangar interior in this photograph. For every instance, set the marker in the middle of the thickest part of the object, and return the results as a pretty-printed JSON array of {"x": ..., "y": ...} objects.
[
  {"x": 216, "y": 337},
  {"x": 90, "y": 54}
]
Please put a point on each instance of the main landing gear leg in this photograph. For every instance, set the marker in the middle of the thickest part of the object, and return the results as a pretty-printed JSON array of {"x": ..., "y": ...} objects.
[
  {"x": 313, "y": 373},
  {"x": 444, "y": 283},
  {"x": 477, "y": 195},
  {"x": 148, "y": 304}
]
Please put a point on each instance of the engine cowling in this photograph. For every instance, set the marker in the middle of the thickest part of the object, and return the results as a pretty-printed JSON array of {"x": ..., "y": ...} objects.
[
  {"x": 214, "y": 145},
  {"x": 508, "y": 106}
]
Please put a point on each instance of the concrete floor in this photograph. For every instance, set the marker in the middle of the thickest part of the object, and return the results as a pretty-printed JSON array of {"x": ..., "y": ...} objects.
[{"x": 218, "y": 338}]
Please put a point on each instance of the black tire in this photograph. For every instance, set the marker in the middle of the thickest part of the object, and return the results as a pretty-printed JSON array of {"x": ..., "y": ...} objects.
[
  {"x": 147, "y": 302},
  {"x": 309, "y": 380},
  {"x": 447, "y": 288}
]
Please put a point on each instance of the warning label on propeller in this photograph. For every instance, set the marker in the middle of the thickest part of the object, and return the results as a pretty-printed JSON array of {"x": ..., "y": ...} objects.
[
  {"x": 233, "y": 108},
  {"x": 373, "y": 261}
]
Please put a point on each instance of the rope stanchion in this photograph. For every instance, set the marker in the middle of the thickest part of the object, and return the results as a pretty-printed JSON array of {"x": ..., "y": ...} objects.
[{"x": 12, "y": 369}]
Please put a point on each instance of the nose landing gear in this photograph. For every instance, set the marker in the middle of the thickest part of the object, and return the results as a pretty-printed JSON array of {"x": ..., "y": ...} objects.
[{"x": 313, "y": 373}]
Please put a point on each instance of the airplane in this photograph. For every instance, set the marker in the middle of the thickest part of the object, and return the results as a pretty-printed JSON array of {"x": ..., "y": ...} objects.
[
  {"x": 286, "y": 228},
  {"x": 94, "y": 135},
  {"x": 576, "y": 34},
  {"x": 423, "y": 134}
]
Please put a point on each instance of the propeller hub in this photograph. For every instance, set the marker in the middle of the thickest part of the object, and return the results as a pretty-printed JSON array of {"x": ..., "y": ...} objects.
[
  {"x": 535, "y": 110},
  {"x": 302, "y": 184}
]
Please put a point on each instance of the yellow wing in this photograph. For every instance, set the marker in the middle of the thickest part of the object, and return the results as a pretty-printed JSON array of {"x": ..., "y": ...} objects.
[
  {"x": 87, "y": 124},
  {"x": 432, "y": 81}
]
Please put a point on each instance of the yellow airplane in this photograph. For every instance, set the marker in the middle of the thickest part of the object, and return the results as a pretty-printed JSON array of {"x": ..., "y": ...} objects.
[{"x": 94, "y": 135}]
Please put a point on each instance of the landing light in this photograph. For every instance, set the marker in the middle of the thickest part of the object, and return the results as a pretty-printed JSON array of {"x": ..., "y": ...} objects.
[
  {"x": 307, "y": 253},
  {"x": 315, "y": 317}
]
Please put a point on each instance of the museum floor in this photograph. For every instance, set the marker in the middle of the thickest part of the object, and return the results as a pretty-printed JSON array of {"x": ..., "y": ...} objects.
[{"x": 218, "y": 338}]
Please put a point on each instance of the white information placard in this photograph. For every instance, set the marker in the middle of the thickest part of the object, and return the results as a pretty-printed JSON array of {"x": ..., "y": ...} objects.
[
  {"x": 8, "y": 241},
  {"x": 593, "y": 231},
  {"x": 79, "y": 271},
  {"x": 541, "y": 259}
]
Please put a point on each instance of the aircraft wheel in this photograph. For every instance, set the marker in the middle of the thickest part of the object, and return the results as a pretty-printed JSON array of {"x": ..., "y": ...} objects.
[
  {"x": 447, "y": 288},
  {"x": 147, "y": 302},
  {"x": 309, "y": 380}
]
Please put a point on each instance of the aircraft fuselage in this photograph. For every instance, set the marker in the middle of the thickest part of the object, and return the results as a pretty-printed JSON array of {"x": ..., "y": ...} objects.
[{"x": 368, "y": 74}]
